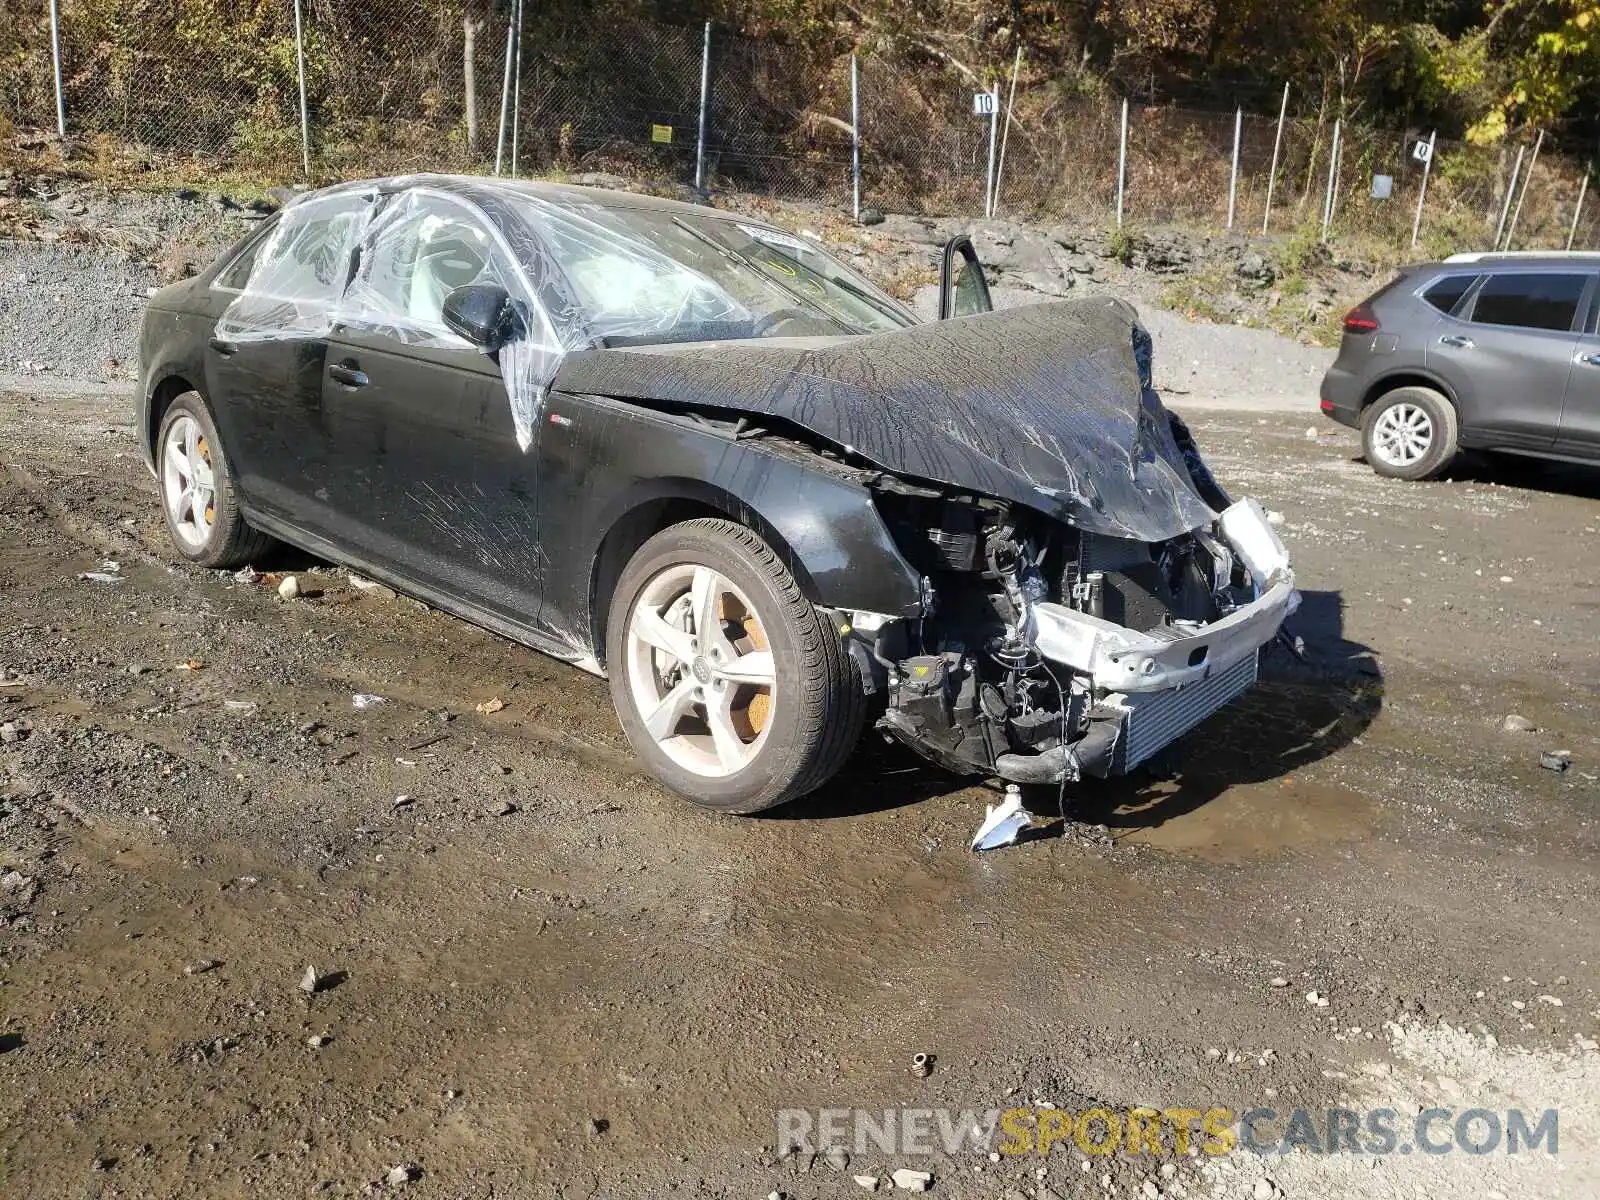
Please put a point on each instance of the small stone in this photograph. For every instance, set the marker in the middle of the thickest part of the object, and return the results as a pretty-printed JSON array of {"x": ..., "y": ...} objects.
[
  {"x": 1552, "y": 1001},
  {"x": 403, "y": 802},
  {"x": 504, "y": 809},
  {"x": 1278, "y": 981},
  {"x": 1517, "y": 724},
  {"x": 1168, "y": 1170},
  {"x": 1263, "y": 1190},
  {"x": 318, "y": 1040},
  {"x": 1311, "y": 433},
  {"x": 403, "y": 1173},
  {"x": 310, "y": 982},
  {"x": 908, "y": 1180},
  {"x": 289, "y": 588},
  {"x": 12, "y": 732},
  {"x": 837, "y": 1157},
  {"x": 870, "y": 1182},
  {"x": 1316, "y": 999},
  {"x": 1274, "y": 517},
  {"x": 1556, "y": 760},
  {"x": 597, "y": 1125},
  {"x": 1150, "y": 1190},
  {"x": 200, "y": 966},
  {"x": 489, "y": 707},
  {"x": 1213, "y": 1054},
  {"x": 1519, "y": 1005}
]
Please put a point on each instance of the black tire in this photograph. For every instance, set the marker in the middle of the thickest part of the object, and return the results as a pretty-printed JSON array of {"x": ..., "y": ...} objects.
[
  {"x": 817, "y": 705},
  {"x": 229, "y": 540},
  {"x": 1443, "y": 438}
]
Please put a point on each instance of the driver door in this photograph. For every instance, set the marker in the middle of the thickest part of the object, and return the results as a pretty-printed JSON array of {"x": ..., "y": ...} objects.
[
  {"x": 426, "y": 474},
  {"x": 963, "y": 290}
]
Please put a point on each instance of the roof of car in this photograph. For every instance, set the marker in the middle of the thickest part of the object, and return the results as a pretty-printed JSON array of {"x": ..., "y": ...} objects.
[
  {"x": 564, "y": 195},
  {"x": 1526, "y": 257}
]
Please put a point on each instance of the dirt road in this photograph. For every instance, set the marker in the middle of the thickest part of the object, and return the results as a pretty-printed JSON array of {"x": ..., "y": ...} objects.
[{"x": 540, "y": 975}]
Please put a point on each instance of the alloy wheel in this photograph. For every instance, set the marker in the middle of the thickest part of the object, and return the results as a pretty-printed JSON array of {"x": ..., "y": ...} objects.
[
  {"x": 700, "y": 670},
  {"x": 1402, "y": 434},
  {"x": 188, "y": 482}
]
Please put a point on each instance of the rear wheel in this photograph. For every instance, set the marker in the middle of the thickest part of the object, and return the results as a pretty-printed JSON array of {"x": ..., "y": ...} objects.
[
  {"x": 1410, "y": 433},
  {"x": 733, "y": 688},
  {"x": 197, "y": 494}
]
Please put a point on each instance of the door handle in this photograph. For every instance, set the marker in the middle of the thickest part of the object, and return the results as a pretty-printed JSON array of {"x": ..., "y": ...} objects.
[
  {"x": 1589, "y": 360},
  {"x": 226, "y": 349},
  {"x": 347, "y": 374},
  {"x": 1456, "y": 340}
]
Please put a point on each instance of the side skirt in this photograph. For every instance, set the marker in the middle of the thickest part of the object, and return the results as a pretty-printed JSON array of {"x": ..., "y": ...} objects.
[{"x": 526, "y": 635}]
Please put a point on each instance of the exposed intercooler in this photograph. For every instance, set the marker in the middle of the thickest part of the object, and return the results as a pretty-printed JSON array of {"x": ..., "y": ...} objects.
[{"x": 1151, "y": 720}]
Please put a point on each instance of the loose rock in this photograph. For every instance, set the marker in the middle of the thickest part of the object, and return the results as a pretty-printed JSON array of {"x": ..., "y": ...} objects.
[
  {"x": 289, "y": 588},
  {"x": 402, "y": 1173},
  {"x": 201, "y": 966},
  {"x": 1556, "y": 760},
  {"x": 1517, "y": 724},
  {"x": 908, "y": 1180}
]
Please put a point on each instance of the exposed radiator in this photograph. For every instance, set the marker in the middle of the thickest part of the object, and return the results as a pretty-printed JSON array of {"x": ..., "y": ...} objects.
[{"x": 1156, "y": 719}]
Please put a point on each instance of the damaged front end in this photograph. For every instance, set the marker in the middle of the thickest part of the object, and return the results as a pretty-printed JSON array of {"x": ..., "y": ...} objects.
[{"x": 1047, "y": 652}]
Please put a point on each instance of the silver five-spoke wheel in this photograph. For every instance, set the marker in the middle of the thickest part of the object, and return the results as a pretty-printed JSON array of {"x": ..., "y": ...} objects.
[
  {"x": 188, "y": 482},
  {"x": 1402, "y": 434},
  {"x": 700, "y": 670}
]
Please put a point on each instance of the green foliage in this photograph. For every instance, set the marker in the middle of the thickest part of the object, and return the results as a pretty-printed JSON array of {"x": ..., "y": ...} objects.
[{"x": 1120, "y": 243}]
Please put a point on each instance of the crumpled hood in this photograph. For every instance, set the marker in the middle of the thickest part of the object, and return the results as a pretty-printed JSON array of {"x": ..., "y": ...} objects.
[{"x": 1044, "y": 405}]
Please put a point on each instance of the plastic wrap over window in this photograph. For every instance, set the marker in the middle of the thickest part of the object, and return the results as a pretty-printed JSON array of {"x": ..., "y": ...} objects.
[{"x": 300, "y": 271}]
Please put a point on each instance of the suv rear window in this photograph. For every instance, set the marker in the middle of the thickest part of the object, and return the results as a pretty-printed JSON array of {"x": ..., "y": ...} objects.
[
  {"x": 1541, "y": 301},
  {"x": 1444, "y": 294}
]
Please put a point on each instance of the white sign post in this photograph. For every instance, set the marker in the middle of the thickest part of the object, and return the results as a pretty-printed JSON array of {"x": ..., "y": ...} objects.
[{"x": 987, "y": 104}]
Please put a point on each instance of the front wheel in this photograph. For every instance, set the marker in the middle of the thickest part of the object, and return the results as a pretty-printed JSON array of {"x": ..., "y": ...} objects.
[
  {"x": 1410, "y": 433},
  {"x": 732, "y": 687}
]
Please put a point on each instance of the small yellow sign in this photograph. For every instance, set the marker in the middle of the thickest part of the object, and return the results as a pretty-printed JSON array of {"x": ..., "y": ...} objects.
[{"x": 661, "y": 133}]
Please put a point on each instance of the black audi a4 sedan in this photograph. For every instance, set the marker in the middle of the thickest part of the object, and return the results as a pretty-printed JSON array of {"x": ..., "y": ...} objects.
[{"x": 695, "y": 454}]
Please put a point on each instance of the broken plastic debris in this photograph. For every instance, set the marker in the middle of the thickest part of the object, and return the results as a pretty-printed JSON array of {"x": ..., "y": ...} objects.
[
  {"x": 240, "y": 706},
  {"x": 189, "y": 664},
  {"x": 109, "y": 571},
  {"x": 247, "y": 575},
  {"x": 491, "y": 706},
  {"x": 366, "y": 700},
  {"x": 1556, "y": 760},
  {"x": 1003, "y": 822}
]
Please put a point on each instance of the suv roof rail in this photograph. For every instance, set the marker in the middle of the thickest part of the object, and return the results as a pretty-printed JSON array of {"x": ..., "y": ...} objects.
[{"x": 1497, "y": 255}]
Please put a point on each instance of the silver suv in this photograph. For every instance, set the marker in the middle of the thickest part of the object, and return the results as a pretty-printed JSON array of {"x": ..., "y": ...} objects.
[{"x": 1482, "y": 352}]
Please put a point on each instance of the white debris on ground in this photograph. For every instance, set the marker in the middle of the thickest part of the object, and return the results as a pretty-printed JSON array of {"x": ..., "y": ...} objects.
[{"x": 1446, "y": 1067}]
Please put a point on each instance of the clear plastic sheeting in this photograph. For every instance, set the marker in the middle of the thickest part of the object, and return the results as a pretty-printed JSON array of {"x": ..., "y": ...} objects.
[{"x": 297, "y": 276}]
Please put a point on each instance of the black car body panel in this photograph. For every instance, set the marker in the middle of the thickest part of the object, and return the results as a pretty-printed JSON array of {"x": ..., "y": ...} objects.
[{"x": 1045, "y": 405}]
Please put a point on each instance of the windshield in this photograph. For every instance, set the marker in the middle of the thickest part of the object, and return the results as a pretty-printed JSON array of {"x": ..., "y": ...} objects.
[{"x": 646, "y": 276}]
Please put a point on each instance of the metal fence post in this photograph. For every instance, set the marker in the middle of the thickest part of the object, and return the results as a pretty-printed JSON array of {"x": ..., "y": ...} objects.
[
  {"x": 469, "y": 81},
  {"x": 300, "y": 67},
  {"x": 1122, "y": 162},
  {"x": 1005, "y": 136},
  {"x": 1578, "y": 211},
  {"x": 1277, "y": 145},
  {"x": 505, "y": 94},
  {"x": 855, "y": 135},
  {"x": 1233, "y": 175},
  {"x": 55, "y": 66},
  {"x": 1511, "y": 190},
  {"x": 1422, "y": 192},
  {"x": 1527, "y": 180},
  {"x": 1333, "y": 172},
  {"x": 516, "y": 97},
  {"x": 705, "y": 98}
]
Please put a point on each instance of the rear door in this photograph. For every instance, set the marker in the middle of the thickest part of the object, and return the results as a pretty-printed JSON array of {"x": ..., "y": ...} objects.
[
  {"x": 1509, "y": 356},
  {"x": 1579, "y": 435},
  {"x": 264, "y": 359}
]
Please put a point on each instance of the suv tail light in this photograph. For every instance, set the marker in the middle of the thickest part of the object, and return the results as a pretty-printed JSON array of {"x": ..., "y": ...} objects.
[{"x": 1361, "y": 319}]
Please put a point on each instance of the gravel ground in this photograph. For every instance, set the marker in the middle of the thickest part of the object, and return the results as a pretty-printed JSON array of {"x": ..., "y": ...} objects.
[{"x": 542, "y": 976}]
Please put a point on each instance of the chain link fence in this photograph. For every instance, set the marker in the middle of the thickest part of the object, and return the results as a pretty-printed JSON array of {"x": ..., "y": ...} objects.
[{"x": 207, "y": 88}]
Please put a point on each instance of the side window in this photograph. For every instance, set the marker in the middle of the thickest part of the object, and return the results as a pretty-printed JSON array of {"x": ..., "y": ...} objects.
[
  {"x": 300, "y": 271},
  {"x": 418, "y": 251},
  {"x": 1529, "y": 301},
  {"x": 1444, "y": 294},
  {"x": 237, "y": 273}
]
